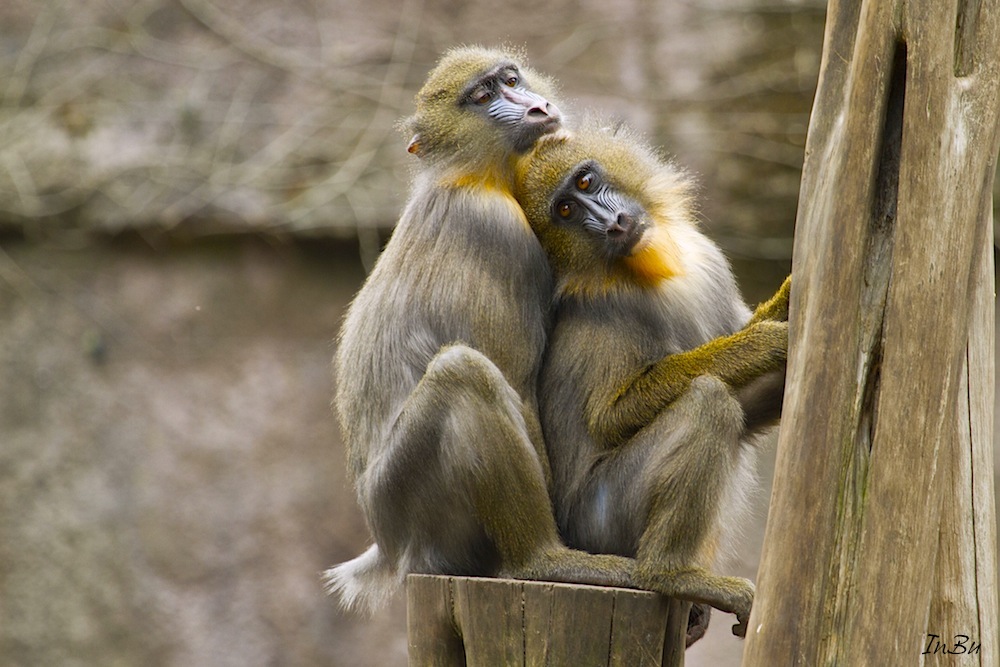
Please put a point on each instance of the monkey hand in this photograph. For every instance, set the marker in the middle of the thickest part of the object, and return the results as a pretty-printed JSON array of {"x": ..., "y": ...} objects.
[
  {"x": 740, "y": 628},
  {"x": 775, "y": 308}
]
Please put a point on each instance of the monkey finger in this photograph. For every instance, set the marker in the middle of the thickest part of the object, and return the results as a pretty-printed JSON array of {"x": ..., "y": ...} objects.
[
  {"x": 740, "y": 629},
  {"x": 775, "y": 308}
]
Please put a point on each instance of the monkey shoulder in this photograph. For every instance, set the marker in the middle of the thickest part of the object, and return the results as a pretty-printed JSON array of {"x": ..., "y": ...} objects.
[
  {"x": 457, "y": 268},
  {"x": 474, "y": 222},
  {"x": 492, "y": 221},
  {"x": 704, "y": 302}
]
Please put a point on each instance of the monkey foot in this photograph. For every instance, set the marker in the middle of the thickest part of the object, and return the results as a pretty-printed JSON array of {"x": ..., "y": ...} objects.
[{"x": 697, "y": 623}]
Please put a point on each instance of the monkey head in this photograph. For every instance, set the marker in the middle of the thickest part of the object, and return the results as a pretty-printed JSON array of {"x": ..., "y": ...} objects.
[
  {"x": 479, "y": 105},
  {"x": 608, "y": 210}
]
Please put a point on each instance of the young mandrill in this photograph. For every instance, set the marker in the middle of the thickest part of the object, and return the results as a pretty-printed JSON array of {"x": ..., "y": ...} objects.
[
  {"x": 657, "y": 374},
  {"x": 439, "y": 353}
]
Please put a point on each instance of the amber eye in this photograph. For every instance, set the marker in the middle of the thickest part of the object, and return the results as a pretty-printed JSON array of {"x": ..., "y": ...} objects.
[
  {"x": 482, "y": 96},
  {"x": 512, "y": 80},
  {"x": 584, "y": 181},
  {"x": 565, "y": 209}
]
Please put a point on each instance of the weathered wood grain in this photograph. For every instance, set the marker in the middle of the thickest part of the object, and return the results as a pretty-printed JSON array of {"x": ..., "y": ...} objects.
[
  {"x": 473, "y": 621},
  {"x": 890, "y": 381},
  {"x": 433, "y": 639}
]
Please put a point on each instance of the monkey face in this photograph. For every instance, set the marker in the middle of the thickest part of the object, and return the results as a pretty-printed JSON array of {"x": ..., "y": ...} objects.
[
  {"x": 478, "y": 105},
  {"x": 588, "y": 204},
  {"x": 605, "y": 208},
  {"x": 502, "y": 98}
]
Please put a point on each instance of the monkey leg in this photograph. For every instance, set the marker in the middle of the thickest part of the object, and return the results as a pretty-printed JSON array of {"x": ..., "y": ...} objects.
[
  {"x": 459, "y": 489},
  {"x": 686, "y": 486},
  {"x": 659, "y": 498},
  {"x": 761, "y": 401}
]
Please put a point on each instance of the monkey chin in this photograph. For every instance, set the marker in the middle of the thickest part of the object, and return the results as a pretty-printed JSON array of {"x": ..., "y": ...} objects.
[
  {"x": 534, "y": 130},
  {"x": 634, "y": 242},
  {"x": 557, "y": 135}
]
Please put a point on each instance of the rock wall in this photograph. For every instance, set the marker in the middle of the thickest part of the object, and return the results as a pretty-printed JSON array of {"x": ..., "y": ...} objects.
[{"x": 172, "y": 481}]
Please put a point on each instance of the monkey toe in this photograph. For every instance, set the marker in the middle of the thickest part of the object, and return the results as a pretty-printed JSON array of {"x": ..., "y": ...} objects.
[
  {"x": 742, "y": 607},
  {"x": 740, "y": 629},
  {"x": 698, "y": 621}
]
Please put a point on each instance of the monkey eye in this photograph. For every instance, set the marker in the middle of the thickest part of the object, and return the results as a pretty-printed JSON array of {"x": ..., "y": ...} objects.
[
  {"x": 565, "y": 209},
  {"x": 584, "y": 181},
  {"x": 512, "y": 80},
  {"x": 481, "y": 96}
]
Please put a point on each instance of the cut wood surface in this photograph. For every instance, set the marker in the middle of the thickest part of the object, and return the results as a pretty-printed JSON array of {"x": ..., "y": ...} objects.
[
  {"x": 488, "y": 622},
  {"x": 881, "y": 532}
]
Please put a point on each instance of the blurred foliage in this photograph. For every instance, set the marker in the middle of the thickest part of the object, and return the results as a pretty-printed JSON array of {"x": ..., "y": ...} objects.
[{"x": 201, "y": 116}]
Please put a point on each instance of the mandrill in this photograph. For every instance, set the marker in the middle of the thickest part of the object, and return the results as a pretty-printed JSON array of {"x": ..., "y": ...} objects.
[
  {"x": 657, "y": 376},
  {"x": 438, "y": 358}
]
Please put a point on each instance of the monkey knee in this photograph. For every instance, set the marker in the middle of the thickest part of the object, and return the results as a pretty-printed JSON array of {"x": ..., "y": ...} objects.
[
  {"x": 453, "y": 359},
  {"x": 715, "y": 403},
  {"x": 460, "y": 369},
  {"x": 709, "y": 387}
]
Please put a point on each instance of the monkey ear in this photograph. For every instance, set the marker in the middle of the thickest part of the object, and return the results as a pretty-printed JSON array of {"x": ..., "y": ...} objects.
[{"x": 414, "y": 146}]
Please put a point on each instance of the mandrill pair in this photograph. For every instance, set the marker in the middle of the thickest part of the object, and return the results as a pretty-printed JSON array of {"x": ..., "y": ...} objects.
[{"x": 547, "y": 326}]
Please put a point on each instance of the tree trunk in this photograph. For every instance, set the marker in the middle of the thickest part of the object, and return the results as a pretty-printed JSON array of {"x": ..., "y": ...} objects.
[{"x": 881, "y": 531}]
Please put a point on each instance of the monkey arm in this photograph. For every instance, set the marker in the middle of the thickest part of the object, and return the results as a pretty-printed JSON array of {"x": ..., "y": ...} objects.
[
  {"x": 775, "y": 308},
  {"x": 737, "y": 360}
]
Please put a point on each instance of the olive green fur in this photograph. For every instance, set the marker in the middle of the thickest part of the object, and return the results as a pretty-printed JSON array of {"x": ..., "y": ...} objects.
[
  {"x": 775, "y": 308},
  {"x": 737, "y": 360}
]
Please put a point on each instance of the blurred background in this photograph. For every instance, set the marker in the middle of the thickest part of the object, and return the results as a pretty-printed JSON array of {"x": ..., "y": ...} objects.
[{"x": 191, "y": 191}]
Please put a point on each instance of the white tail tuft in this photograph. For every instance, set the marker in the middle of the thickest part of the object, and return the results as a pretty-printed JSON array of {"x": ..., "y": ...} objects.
[{"x": 364, "y": 583}]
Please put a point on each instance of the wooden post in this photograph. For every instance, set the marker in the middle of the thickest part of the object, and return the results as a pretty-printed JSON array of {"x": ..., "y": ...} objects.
[
  {"x": 882, "y": 529},
  {"x": 455, "y": 621}
]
